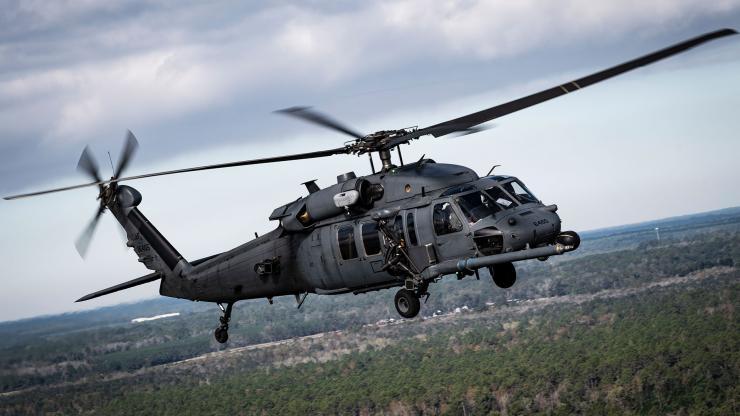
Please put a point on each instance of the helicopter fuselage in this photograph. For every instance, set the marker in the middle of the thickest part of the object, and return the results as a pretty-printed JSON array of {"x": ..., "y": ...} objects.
[
  {"x": 436, "y": 212},
  {"x": 404, "y": 226}
]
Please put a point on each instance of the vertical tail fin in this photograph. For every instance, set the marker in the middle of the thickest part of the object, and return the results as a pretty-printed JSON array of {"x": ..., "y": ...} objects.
[
  {"x": 152, "y": 248},
  {"x": 154, "y": 251}
]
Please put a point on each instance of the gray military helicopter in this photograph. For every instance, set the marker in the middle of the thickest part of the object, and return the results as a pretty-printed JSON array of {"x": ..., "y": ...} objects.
[{"x": 405, "y": 225}]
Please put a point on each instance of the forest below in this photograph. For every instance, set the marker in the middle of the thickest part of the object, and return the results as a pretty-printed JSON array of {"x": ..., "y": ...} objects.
[{"x": 628, "y": 324}]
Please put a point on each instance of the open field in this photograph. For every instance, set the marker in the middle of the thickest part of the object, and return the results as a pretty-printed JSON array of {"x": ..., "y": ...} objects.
[{"x": 630, "y": 325}]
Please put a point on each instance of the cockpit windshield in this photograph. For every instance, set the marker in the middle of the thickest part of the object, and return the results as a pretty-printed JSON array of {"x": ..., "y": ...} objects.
[
  {"x": 501, "y": 199},
  {"x": 520, "y": 192},
  {"x": 476, "y": 205}
]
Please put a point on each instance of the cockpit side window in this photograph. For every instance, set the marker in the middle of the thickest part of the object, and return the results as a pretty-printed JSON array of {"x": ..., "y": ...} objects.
[
  {"x": 476, "y": 206},
  {"x": 458, "y": 189},
  {"x": 445, "y": 219},
  {"x": 346, "y": 240},
  {"x": 520, "y": 192},
  {"x": 500, "y": 197}
]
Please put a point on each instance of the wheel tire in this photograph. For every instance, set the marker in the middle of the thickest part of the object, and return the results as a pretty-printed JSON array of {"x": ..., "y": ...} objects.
[
  {"x": 407, "y": 303},
  {"x": 504, "y": 275},
  {"x": 221, "y": 335}
]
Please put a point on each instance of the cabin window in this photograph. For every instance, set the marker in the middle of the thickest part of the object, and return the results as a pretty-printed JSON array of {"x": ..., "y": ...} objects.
[
  {"x": 411, "y": 229},
  {"x": 397, "y": 228},
  {"x": 346, "y": 239},
  {"x": 445, "y": 219},
  {"x": 371, "y": 238}
]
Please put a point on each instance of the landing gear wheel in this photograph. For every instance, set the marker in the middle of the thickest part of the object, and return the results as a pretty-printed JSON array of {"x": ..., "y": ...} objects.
[
  {"x": 221, "y": 334},
  {"x": 504, "y": 275},
  {"x": 407, "y": 303}
]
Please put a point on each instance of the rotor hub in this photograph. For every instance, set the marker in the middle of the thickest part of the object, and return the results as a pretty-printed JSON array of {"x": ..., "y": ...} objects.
[
  {"x": 107, "y": 193},
  {"x": 382, "y": 140}
]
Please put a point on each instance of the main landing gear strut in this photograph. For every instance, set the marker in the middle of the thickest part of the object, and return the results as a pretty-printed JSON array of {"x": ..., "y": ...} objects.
[
  {"x": 397, "y": 262},
  {"x": 222, "y": 332}
]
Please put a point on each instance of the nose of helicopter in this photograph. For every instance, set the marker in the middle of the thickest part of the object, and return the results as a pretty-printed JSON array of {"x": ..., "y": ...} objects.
[
  {"x": 546, "y": 225},
  {"x": 533, "y": 227}
]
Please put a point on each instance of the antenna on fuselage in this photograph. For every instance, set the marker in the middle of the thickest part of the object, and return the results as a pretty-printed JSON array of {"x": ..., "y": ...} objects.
[
  {"x": 491, "y": 171},
  {"x": 113, "y": 170}
]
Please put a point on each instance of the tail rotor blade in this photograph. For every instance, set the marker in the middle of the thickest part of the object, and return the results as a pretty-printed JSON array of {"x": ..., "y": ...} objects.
[
  {"x": 83, "y": 241},
  {"x": 87, "y": 165},
  {"x": 129, "y": 149}
]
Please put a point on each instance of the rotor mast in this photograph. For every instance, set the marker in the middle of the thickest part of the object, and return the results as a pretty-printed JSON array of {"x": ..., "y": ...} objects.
[{"x": 385, "y": 159}]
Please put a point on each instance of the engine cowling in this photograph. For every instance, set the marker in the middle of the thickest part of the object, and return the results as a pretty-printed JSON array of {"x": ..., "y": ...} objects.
[{"x": 350, "y": 196}]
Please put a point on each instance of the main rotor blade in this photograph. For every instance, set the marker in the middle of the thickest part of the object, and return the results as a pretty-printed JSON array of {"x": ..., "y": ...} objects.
[
  {"x": 297, "y": 156},
  {"x": 129, "y": 149},
  {"x": 307, "y": 114},
  {"x": 470, "y": 120},
  {"x": 88, "y": 165},
  {"x": 83, "y": 241},
  {"x": 49, "y": 191}
]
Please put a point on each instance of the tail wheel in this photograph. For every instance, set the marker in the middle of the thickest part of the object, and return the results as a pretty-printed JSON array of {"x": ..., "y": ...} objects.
[
  {"x": 222, "y": 332},
  {"x": 221, "y": 335},
  {"x": 407, "y": 303},
  {"x": 504, "y": 275}
]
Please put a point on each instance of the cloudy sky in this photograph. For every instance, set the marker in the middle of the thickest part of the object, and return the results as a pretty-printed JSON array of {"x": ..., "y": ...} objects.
[{"x": 197, "y": 83}]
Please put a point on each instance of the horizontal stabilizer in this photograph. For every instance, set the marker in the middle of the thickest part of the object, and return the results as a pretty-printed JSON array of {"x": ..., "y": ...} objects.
[{"x": 125, "y": 285}]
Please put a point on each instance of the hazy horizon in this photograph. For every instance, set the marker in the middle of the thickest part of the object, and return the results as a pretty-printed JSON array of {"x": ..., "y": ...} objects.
[
  {"x": 197, "y": 84},
  {"x": 156, "y": 284}
]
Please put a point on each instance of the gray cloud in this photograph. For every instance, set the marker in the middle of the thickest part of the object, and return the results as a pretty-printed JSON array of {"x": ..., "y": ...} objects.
[{"x": 78, "y": 72}]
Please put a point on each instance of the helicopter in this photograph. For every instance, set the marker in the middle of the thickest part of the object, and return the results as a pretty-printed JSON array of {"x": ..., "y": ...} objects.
[{"x": 403, "y": 226}]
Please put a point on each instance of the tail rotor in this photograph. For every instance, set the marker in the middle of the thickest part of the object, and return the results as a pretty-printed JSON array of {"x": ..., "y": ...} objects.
[{"x": 107, "y": 192}]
